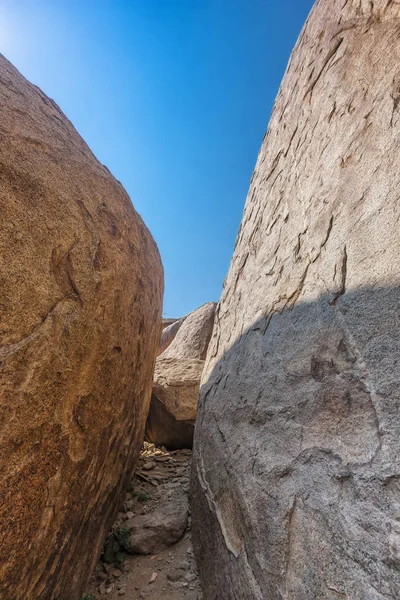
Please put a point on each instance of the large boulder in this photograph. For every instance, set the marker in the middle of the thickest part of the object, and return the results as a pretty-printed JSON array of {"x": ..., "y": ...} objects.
[
  {"x": 173, "y": 407},
  {"x": 193, "y": 335},
  {"x": 296, "y": 481},
  {"x": 81, "y": 293},
  {"x": 161, "y": 527},
  {"x": 175, "y": 396},
  {"x": 168, "y": 335}
]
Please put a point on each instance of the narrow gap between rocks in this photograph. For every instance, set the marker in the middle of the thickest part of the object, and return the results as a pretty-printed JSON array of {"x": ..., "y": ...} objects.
[{"x": 149, "y": 553}]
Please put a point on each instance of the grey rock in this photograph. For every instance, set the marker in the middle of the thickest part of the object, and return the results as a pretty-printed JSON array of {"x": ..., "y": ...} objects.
[
  {"x": 194, "y": 596},
  {"x": 149, "y": 465},
  {"x": 174, "y": 575},
  {"x": 194, "y": 334},
  {"x": 173, "y": 407},
  {"x": 159, "y": 528},
  {"x": 296, "y": 477},
  {"x": 168, "y": 335}
]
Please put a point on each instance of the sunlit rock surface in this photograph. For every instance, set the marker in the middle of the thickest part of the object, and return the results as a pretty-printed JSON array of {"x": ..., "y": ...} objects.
[
  {"x": 296, "y": 480},
  {"x": 173, "y": 408},
  {"x": 80, "y": 298}
]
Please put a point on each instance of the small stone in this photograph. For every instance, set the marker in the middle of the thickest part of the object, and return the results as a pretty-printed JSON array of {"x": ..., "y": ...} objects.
[
  {"x": 102, "y": 589},
  {"x": 174, "y": 575},
  {"x": 153, "y": 577},
  {"x": 148, "y": 465},
  {"x": 193, "y": 596},
  {"x": 184, "y": 565}
]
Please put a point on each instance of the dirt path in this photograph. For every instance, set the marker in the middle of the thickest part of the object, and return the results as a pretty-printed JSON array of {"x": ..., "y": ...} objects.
[{"x": 156, "y": 508}]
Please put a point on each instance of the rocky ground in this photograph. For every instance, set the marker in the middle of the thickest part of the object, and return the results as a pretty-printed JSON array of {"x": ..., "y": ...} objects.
[{"x": 149, "y": 553}]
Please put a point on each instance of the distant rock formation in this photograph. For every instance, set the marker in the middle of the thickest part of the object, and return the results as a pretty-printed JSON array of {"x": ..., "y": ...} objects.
[
  {"x": 167, "y": 322},
  {"x": 81, "y": 294},
  {"x": 296, "y": 481},
  {"x": 194, "y": 334},
  {"x": 169, "y": 333},
  {"x": 173, "y": 407}
]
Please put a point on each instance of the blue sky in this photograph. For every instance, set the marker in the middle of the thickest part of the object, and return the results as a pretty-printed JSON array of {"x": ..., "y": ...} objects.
[{"x": 174, "y": 96}]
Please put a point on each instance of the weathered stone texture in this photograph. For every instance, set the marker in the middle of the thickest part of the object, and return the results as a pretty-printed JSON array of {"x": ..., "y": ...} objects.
[
  {"x": 156, "y": 530},
  {"x": 193, "y": 335},
  {"x": 80, "y": 295},
  {"x": 173, "y": 407},
  {"x": 168, "y": 335},
  {"x": 296, "y": 479}
]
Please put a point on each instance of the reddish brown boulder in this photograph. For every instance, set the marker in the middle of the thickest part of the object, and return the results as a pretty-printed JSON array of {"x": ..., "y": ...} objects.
[{"x": 80, "y": 293}]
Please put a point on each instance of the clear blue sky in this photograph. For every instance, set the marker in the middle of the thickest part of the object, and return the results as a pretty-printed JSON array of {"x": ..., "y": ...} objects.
[{"x": 174, "y": 96}]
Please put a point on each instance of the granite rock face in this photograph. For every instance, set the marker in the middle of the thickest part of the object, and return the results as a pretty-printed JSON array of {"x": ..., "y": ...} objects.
[
  {"x": 193, "y": 335},
  {"x": 168, "y": 335},
  {"x": 296, "y": 476},
  {"x": 81, "y": 293},
  {"x": 173, "y": 407}
]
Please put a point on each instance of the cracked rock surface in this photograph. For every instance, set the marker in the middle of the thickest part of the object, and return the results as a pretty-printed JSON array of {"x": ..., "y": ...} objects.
[{"x": 296, "y": 470}]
